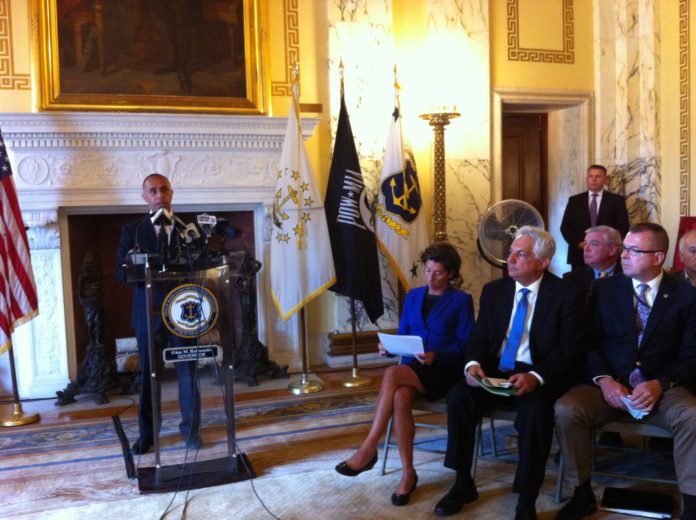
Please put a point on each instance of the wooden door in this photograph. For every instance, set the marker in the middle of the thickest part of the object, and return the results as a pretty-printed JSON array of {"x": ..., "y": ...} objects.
[{"x": 524, "y": 159}]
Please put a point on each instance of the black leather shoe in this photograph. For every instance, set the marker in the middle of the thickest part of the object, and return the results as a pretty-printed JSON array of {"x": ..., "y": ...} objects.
[
  {"x": 344, "y": 469},
  {"x": 526, "y": 513},
  {"x": 142, "y": 445},
  {"x": 581, "y": 505},
  {"x": 455, "y": 498},
  {"x": 402, "y": 500}
]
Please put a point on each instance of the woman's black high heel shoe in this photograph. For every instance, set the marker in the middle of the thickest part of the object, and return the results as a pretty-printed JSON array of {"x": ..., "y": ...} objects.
[
  {"x": 402, "y": 500},
  {"x": 344, "y": 469}
]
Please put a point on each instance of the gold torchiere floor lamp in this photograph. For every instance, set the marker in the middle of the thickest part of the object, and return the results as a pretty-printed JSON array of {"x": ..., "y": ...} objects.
[{"x": 439, "y": 120}]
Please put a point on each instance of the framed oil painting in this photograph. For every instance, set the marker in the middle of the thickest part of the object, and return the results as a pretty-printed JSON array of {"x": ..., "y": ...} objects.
[{"x": 150, "y": 55}]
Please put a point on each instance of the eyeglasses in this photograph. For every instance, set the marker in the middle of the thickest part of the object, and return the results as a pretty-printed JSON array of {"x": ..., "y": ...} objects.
[{"x": 634, "y": 251}]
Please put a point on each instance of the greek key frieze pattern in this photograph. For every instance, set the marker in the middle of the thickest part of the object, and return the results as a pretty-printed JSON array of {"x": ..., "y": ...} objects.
[
  {"x": 684, "y": 107},
  {"x": 292, "y": 47},
  {"x": 9, "y": 79},
  {"x": 517, "y": 53}
]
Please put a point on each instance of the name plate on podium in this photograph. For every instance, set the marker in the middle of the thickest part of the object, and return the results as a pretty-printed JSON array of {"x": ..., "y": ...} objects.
[{"x": 194, "y": 352}]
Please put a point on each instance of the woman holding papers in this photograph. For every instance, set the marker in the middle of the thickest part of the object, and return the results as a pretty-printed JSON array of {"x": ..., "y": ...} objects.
[{"x": 443, "y": 318}]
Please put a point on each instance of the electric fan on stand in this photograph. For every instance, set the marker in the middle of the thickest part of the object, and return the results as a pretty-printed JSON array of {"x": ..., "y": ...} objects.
[{"x": 498, "y": 226}]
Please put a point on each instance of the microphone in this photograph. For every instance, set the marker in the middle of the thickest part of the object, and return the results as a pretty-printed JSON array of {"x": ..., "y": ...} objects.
[
  {"x": 189, "y": 233},
  {"x": 162, "y": 216},
  {"x": 207, "y": 222}
]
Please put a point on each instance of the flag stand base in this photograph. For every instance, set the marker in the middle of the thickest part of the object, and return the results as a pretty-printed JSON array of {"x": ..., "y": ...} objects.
[
  {"x": 305, "y": 386},
  {"x": 18, "y": 417},
  {"x": 356, "y": 381}
]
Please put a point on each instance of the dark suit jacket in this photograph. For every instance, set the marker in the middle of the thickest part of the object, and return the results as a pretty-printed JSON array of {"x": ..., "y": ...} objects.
[
  {"x": 668, "y": 347},
  {"x": 576, "y": 219},
  {"x": 583, "y": 277},
  {"x": 680, "y": 277},
  {"x": 448, "y": 326},
  {"x": 555, "y": 332}
]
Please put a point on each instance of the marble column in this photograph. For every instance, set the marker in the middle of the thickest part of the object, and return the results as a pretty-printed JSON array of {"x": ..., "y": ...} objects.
[{"x": 627, "y": 77}]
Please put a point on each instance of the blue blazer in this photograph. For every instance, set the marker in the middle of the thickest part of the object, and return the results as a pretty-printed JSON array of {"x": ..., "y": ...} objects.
[{"x": 449, "y": 323}]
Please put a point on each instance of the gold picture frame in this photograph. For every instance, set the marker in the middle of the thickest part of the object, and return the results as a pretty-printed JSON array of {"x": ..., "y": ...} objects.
[{"x": 200, "y": 56}]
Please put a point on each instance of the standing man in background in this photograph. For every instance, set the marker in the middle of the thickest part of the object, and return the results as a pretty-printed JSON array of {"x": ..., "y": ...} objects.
[{"x": 594, "y": 207}]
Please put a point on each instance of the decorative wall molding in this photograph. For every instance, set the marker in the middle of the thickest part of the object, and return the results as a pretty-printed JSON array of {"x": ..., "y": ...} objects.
[
  {"x": 684, "y": 107},
  {"x": 518, "y": 53},
  {"x": 291, "y": 20},
  {"x": 94, "y": 163},
  {"x": 9, "y": 78}
]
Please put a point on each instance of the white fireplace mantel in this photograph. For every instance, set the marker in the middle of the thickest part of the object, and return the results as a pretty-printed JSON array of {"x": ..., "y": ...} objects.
[{"x": 95, "y": 163}]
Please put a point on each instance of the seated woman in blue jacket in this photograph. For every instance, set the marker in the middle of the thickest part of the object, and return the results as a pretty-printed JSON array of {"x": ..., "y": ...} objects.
[{"x": 443, "y": 316}]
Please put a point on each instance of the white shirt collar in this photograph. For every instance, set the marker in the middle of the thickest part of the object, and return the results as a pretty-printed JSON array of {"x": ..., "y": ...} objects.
[
  {"x": 653, "y": 284},
  {"x": 533, "y": 287}
]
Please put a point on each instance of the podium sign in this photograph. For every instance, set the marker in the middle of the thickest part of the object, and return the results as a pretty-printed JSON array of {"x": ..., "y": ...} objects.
[{"x": 193, "y": 303}]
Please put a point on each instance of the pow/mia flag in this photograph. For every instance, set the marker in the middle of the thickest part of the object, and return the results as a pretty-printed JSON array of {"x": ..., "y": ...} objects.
[
  {"x": 301, "y": 262},
  {"x": 351, "y": 224},
  {"x": 401, "y": 230}
]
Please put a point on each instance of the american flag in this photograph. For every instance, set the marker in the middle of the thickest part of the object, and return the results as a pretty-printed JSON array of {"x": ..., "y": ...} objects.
[{"x": 18, "y": 302}]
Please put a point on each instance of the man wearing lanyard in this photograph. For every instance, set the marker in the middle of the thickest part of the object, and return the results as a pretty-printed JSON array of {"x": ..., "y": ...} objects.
[{"x": 641, "y": 358}]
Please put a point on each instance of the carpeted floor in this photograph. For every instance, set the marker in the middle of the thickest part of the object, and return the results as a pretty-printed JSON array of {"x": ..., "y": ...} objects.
[{"x": 76, "y": 470}]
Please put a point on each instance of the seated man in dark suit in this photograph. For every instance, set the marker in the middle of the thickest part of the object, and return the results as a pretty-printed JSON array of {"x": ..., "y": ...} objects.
[
  {"x": 641, "y": 352},
  {"x": 601, "y": 254},
  {"x": 528, "y": 331},
  {"x": 594, "y": 207},
  {"x": 687, "y": 253}
]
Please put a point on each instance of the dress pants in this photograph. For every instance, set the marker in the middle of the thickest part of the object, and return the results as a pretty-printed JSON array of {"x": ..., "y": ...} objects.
[
  {"x": 533, "y": 422},
  {"x": 583, "y": 407},
  {"x": 186, "y": 371}
]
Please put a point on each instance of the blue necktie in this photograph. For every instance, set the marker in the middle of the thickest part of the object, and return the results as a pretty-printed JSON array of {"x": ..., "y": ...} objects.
[
  {"x": 642, "y": 312},
  {"x": 507, "y": 360}
]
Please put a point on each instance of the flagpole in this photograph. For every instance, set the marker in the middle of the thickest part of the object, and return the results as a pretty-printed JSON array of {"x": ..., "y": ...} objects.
[
  {"x": 305, "y": 385},
  {"x": 355, "y": 380},
  {"x": 17, "y": 417}
]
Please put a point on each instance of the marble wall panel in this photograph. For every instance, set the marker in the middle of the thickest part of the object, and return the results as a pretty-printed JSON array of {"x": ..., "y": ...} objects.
[{"x": 628, "y": 102}]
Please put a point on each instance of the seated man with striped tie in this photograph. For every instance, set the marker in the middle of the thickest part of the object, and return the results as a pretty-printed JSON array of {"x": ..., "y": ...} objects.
[
  {"x": 641, "y": 353},
  {"x": 601, "y": 256},
  {"x": 528, "y": 331}
]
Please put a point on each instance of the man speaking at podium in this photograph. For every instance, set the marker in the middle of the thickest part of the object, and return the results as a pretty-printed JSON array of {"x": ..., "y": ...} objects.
[{"x": 156, "y": 233}]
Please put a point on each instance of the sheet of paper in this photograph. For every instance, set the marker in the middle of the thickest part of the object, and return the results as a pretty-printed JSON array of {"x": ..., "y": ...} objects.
[
  {"x": 635, "y": 412},
  {"x": 401, "y": 345}
]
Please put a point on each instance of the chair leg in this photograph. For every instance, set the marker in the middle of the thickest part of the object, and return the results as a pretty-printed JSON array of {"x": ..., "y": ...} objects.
[
  {"x": 478, "y": 446},
  {"x": 559, "y": 483},
  {"x": 387, "y": 440},
  {"x": 493, "y": 446}
]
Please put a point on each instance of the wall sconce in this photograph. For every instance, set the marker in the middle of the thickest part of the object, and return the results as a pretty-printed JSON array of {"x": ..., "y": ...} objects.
[{"x": 439, "y": 120}]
